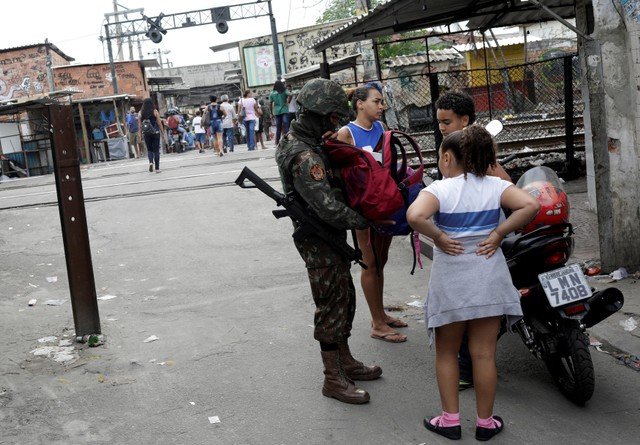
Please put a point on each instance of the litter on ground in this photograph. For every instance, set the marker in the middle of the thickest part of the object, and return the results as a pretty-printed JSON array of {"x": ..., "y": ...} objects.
[
  {"x": 214, "y": 419},
  {"x": 151, "y": 338},
  {"x": 48, "y": 339},
  {"x": 54, "y": 302},
  {"x": 629, "y": 324}
]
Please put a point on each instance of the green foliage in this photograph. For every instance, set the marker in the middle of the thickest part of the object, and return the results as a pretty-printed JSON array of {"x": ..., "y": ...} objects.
[{"x": 341, "y": 9}]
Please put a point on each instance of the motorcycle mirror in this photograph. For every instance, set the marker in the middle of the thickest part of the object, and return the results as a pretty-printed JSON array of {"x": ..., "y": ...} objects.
[{"x": 494, "y": 127}]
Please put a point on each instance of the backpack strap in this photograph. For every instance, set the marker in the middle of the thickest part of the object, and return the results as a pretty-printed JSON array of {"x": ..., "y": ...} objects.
[{"x": 418, "y": 172}]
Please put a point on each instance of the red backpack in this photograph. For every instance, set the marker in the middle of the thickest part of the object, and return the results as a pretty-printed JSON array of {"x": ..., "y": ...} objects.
[{"x": 377, "y": 190}]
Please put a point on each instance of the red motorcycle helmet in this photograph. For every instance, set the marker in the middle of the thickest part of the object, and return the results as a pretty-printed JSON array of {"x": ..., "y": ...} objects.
[{"x": 554, "y": 205}]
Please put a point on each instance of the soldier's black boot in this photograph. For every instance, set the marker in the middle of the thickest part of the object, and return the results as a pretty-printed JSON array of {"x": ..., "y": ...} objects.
[
  {"x": 336, "y": 384},
  {"x": 355, "y": 369}
]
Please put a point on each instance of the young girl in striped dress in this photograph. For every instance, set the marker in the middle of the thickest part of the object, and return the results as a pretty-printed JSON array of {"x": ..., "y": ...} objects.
[{"x": 465, "y": 207}]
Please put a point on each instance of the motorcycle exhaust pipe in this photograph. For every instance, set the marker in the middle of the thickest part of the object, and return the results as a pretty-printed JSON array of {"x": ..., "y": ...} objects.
[{"x": 601, "y": 305}]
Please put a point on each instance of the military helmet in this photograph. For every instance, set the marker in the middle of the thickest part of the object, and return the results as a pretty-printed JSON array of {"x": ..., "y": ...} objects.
[{"x": 323, "y": 96}]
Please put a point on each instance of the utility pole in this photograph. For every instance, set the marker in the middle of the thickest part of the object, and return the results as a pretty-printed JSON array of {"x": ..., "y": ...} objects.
[
  {"x": 159, "y": 53},
  {"x": 274, "y": 39},
  {"x": 114, "y": 80},
  {"x": 119, "y": 30}
]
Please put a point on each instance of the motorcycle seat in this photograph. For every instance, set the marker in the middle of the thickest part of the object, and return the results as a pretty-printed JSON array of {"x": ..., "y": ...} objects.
[{"x": 508, "y": 243}]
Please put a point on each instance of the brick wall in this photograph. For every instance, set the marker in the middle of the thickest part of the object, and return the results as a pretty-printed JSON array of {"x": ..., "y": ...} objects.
[
  {"x": 23, "y": 72},
  {"x": 95, "y": 80}
]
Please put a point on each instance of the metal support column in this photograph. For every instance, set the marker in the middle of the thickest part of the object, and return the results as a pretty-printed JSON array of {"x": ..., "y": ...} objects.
[
  {"x": 114, "y": 80},
  {"x": 274, "y": 39},
  {"x": 376, "y": 57},
  {"x": 73, "y": 219},
  {"x": 488, "y": 77},
  {"x": 568, "y": 117},
  {"x": 434, "y": 88}
]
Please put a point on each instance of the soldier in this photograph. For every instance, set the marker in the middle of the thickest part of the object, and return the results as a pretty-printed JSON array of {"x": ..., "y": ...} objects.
[{"x": 305, "y": 168}]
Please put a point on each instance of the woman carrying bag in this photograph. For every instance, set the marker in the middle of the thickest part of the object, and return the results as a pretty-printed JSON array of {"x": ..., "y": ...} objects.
[{"x": 249, "y": 112}]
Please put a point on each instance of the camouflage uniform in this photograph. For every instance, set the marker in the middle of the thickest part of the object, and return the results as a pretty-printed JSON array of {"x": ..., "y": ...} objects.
[{"x": 305, "y": 168}]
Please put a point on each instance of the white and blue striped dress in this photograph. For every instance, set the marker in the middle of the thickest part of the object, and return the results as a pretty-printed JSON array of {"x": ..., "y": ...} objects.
[{"x": 468, "y": 286}]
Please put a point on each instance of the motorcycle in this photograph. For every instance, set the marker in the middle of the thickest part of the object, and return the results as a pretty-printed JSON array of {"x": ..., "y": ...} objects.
[
  {"x": 176, "y": 144},
  {"x": 557, "y": 302}
]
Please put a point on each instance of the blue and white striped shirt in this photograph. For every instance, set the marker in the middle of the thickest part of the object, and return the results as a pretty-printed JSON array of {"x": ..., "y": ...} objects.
[{"x": 468, "y": 207}]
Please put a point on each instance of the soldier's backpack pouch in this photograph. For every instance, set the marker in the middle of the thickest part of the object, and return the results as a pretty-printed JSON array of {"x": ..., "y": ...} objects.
[{"x": 369, "y": 188}]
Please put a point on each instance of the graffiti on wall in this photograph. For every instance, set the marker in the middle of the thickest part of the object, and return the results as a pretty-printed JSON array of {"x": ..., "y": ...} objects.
[
  {"x": 96, "y": 80},
  {"x": 631, "y": 9},
  {"x": 22, "y": 73}
]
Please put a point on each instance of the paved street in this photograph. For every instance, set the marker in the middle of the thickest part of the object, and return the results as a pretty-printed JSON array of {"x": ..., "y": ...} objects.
[{"x": 204, "y": 266}]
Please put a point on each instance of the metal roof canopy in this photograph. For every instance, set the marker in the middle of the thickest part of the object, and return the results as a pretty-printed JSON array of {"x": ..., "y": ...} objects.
[
  {"x": 35, "y": 45},
  {"x": 164, "y": 80},
  {"x": 396, "y": 16},
  {"x": 13, "y": 106},
  {"x": 104, "y": 98},
  {"x": 313, "y": 71}
]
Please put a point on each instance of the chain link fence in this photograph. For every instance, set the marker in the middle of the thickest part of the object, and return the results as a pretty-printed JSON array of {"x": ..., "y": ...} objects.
[{"x": 532, "y": 100}]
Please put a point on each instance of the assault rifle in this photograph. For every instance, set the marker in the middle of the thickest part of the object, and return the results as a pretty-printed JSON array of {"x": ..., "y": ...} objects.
[{"x": 307, "y": 223}]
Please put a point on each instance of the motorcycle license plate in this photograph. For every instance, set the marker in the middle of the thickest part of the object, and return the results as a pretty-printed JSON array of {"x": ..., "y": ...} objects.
[{"x": 564, "y": 286}]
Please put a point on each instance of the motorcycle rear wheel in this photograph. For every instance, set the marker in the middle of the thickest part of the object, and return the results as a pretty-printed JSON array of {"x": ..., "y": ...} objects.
[{"x": 571, "y": 367}]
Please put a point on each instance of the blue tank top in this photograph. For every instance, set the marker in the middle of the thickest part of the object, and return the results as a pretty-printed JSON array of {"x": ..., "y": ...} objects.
[{"x": 366, "y": 139}]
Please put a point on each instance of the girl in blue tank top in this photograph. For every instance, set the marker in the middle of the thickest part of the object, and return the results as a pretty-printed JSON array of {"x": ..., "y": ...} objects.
[{"x": 365, "y": 132}]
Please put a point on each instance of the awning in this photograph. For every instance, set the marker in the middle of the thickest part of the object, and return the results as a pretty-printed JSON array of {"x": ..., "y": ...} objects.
[
  {"x": 164, "y": 80},
  {"x": 13, "y": 106},
  {"x": 224, "y": 46},
  {"x": 313, "y": 71},
  {"x": 435, "y": 55},
  {"x": 105, "y": 98},
  {"x": 395, "y": 16}
]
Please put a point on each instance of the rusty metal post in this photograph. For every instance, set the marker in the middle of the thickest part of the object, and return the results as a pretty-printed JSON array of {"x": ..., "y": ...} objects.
[{"x": 73, "y": 219}]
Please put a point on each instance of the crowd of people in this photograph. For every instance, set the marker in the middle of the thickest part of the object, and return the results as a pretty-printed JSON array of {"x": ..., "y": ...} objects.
[
  {"x": 461, "y": 213},
  {"x": 220, "y": 124}
]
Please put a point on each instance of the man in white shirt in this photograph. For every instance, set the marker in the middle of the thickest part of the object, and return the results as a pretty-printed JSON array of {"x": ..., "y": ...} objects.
[{"x": 228, "y": 123}]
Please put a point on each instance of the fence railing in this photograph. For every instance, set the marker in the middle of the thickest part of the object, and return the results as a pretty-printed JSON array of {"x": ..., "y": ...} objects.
[{"x": 539, "y": 103}]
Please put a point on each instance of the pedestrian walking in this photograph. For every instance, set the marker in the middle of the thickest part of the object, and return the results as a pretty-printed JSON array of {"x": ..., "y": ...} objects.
[
  {"x": 365, "y": 132},
  {"x": 280, "y": 109},
  {"x": 216, "y": 115},
  {"x": 467, "y": 233},
  {"x": 150, "y": 126},
  {"x": 200, "y": 132},
  {"x": 265, "y": 105},
  {"x": 260, "y": 125},
  {"x": 248, "y": 110},
  {"x": 228, "y": 123},
  {"x": 292, "y": 105},
  {"x": 305, "y": 169},
  {"x": 132, "y": 133},
  {"x": 455, "y": 111}
]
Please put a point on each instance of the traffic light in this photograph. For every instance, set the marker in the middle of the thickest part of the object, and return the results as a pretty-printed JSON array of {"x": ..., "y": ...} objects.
[
  {"x": 219, "y": 16},
  {"x": 155, "y": 31}
]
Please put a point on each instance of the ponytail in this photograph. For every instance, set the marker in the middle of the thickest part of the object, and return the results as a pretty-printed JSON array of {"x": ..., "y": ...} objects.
[
  {"x": 473, "y": 147},
  {"x": 478, "y": 149}
]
